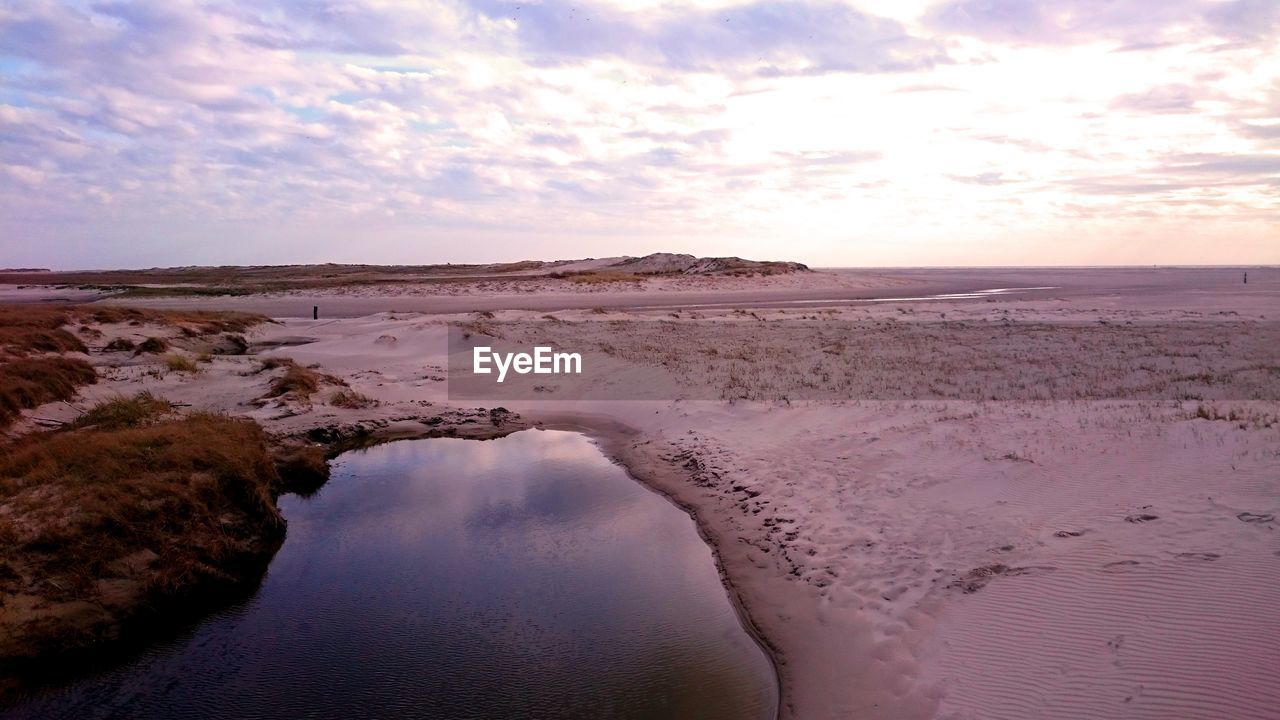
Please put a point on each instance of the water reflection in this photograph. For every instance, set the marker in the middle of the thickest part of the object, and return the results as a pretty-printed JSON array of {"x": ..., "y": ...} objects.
[{"x": 522, "y": 577}]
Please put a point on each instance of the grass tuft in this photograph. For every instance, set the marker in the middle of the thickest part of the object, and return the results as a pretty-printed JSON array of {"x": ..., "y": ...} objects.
[
  {"x": 297, "y": 381},
  {"x": 30, "y": 382},
  {"x": 120, "y": 344},
  {"x": 180, "y": 363},
  {"x": 152, "y": 346},
  {"x": 351, "y": 399},
  {"x": 125, "y": 412}
]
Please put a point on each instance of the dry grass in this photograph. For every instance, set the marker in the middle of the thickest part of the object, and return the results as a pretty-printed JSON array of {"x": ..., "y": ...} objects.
[
  {"x": 518, "y": 266},
  {"x": 1243, "y": 417},
  {"x": 272, "y": 363},
  {"x": 30, "y": 382},
  {"x": 125, "y": 510},
  {"x": 21, "y": 341},
  {"x": 37, "y": 328},
  {"x": 227, "y": 280},
  {"x": 180, "y": 363},
  {"x": 129, "y": 518},
  {"x": 303, "y": 468},
  {"x": 603, "y": 277},
  {"x": 120, "y": 344},
  {"x": 742, "y": 356},
  {"x": 351, "y": 399},
  {"x": 296, "y": 382},
  {"x": 125, "y": 412},
  {"x": 478, "y": 327},
  {"x": 152, "y": 346},
  {"x": 192, "y": 322},
  {"x": 27, "y": 329},
  {"x": 25, "y": 381},
  {"x": 229, "y": 344}
]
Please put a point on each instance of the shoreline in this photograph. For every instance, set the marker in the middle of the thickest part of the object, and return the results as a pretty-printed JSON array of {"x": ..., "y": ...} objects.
[
  {"x": 614, "y": 440},
  {"x": 811, "y": 681}
]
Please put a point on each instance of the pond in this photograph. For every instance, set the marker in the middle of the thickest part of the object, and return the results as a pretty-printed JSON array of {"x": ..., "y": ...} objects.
[{"x": 525, "y": 577}]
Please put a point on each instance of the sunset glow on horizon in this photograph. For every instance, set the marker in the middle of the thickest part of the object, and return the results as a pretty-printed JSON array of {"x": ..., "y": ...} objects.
[{"x": 876, "y": 133}]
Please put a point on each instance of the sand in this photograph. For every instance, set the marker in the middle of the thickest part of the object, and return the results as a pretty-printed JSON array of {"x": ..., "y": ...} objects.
[
  {"x": 882, "y": 520},
  {"x": 927, "y": 555}
]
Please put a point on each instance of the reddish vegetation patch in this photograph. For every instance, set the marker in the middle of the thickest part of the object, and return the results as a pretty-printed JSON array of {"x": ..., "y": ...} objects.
[
  {"x": 192, "y": 322},
  {"x": 31, "y": 336},
  {"x": 25, "y": 330},
  {"x": 125, "y": 412},
  {"x": 120, "y": 344},
  {"x": 30, "y": 382},
  {"x": 151, "y": 346},
  {"x": 351, "y": 399},
  {"x": 303, "y": 467},
  {"x": 128, "y": 514},
  {"x": 38, "y": 328},
  {"x": 601, "y": 277},
  {"x": 297, "y": 381},
  {"x": 102, "y": 525}
]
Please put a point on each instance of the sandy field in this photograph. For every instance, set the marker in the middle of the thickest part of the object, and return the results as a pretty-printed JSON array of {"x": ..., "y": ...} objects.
[{"x": 1022, "y": 494}]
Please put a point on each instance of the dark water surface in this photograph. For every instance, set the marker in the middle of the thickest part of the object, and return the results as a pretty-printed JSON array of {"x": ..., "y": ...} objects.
[{"x": 526, "y": 577}]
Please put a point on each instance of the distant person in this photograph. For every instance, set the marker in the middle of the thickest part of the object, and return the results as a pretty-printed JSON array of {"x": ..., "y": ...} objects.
[{"x": 1246, "y": 278}]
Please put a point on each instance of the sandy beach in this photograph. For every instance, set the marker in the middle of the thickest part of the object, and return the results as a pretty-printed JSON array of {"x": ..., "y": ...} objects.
[{"x": 1105, "y": 548}]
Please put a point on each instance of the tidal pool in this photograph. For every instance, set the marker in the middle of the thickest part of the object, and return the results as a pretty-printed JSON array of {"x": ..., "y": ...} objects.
[{"x": 525, "y": 577}]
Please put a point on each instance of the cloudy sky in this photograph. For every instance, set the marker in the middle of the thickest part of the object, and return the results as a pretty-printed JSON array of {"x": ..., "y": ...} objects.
[{"x": 879, "y": 132}]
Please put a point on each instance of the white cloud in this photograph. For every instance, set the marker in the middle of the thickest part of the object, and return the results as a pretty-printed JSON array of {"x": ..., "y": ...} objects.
[{"x": 450, "y": 131}]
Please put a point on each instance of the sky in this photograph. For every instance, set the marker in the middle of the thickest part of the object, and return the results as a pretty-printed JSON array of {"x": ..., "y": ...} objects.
[{"x": 872, "y": 133}]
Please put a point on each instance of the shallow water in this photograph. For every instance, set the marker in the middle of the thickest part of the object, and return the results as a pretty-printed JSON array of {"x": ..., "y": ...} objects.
[
  {"x": 974, "y": 295},
  {"x": 526, "y": 577}
]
